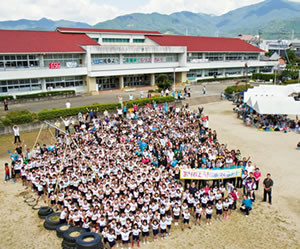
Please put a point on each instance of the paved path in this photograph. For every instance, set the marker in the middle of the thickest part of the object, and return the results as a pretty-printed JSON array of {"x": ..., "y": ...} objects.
[{"x": 111, "y": 96}]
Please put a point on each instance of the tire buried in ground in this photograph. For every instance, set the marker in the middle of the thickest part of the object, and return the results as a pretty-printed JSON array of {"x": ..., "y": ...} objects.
[
  {"x": 71, "y": 235},
  {"x": 44, "y": 211},
  {"x": 61, "y": 228},
  {"x": 67, "y": 245},
  {"x": 53, "y": 219},
  {"x": 49, "y": 226},
  {"x": 89, "y": 240}
]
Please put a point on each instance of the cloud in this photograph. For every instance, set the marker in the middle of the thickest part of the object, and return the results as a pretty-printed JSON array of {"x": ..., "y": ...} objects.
[
  {"x": 76, "y": 10},
  {"x": 94, "y": 11}
]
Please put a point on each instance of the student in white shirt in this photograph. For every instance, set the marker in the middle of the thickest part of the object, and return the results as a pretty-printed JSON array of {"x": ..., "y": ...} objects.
[
  {"x": 125, "y": 237},
  {"x": 145, "y": 232},
  {"x": 186, "y": 219},
  {"x": 198, "y": 214},
  {"x": 163, "y": 227},
  {"x": 136, "y": 235},
  {"x": 209, "y": 212},
  {"x": 219, "y": 209}
]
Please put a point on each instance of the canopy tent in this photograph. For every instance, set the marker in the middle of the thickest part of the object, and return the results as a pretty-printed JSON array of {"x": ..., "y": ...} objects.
[
  {"x": 271, "y": 90},
  {"x": 277, "y": 106}
]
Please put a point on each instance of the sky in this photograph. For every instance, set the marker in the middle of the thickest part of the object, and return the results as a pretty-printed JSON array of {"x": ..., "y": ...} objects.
[{"x": 94, "y": 11}]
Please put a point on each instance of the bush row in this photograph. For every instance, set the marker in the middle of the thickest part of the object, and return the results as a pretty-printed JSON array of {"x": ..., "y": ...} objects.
[
  {"x": 236, "y": 89},
  {"x": 287, "y": 82},
  {"x": 24, "y": 116},
  {"x": 221, "y": 79},
  {"x": 64, "y": 112},
  {"x": 264, "y": 77},
  {"x": 18, "y": 117},
  {"x": 39, "y": 95}
]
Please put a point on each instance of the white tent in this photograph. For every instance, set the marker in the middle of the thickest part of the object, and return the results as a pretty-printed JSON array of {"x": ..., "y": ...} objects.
[
  {"x": 281, "y": 105},
  {"x": 271, "y": 90}
]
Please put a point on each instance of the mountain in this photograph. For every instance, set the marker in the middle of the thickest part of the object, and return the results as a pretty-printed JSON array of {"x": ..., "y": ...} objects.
[
  {"x": 42, "y": 24},
  {"x": 272, "y": 19}
]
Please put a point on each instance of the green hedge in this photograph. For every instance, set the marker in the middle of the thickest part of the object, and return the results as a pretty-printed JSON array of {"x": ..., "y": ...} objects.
[
  {"x": 221, "y": 79},
  {"x": 236, "y": 89},
  {"x": 8, "y": 97},
  {"x": 264, "y": 77},
  {"x": 287, "y": 82},
  {"x": 64, "y": 112},
  {"x": 46, "y": 94},
  {"x": 18, "y": 117},
  {"x": 145, "y": 101}
]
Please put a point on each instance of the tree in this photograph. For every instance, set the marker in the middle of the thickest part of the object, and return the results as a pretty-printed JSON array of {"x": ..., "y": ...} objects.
[
  {"x": 292, "y": 57},
  {"x": 163, "y": 81}
]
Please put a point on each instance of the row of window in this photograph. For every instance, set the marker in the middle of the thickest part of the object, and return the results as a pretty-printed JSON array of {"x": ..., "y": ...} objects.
[
  {"x": 217, "y": 72},
  {"x": 19, "y": 61},
  {"x": 119, "y": 40},
  {"x": 27, "y": 85},
  {"x": 199, "y": 57},
  {"x": 98, "y": 59}
]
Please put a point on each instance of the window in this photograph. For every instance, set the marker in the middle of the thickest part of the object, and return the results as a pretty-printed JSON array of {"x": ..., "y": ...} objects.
[
  {"x": 136, "y": 58},
  {"x": 137, "y": 80},
  {"x": 10, "y": 86},
  {"x": 265, "y": 69},
  {"x": 63, "y": 60},
  {"x": 233, "y": 57},
  {"x": 233, "y": 71},
  {"x": 195, "y": 73},
  {"x": 18, "y": 61},
  {"x": 214, "y": 57},
  {"x": 251, "y": 56},
  {"x": 106, "y": 83},
  {"x": 105, "y": 59},
  {"x": 115, "y": 40},
  {"x": 195, "y": 57},
  {"x": 96, "y": 39},
  {"x": 162, "y": 58},
  {"x": 213, "y": 72},
  {"x": 138, "y": 40},
  {"x": 64, "y": 82}
]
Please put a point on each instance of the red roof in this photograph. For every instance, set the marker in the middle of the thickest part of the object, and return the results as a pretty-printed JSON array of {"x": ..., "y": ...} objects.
[
  {"x": 21, "y": 41},
  {"x": 87, "y": 30},
  {"x": 205, "y": 44}
]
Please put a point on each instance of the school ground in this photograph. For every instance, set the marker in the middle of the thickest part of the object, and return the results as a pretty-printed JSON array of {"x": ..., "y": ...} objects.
[{"x": 276, "y": 226}]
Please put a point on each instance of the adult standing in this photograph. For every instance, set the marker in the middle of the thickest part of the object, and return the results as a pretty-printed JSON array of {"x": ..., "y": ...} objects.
[
  {"x": 268, "y": 185},
  {"x": 5, "y": 103},
  {"x": 68, "y": 104},
  {"x": 16, "y": 130}
]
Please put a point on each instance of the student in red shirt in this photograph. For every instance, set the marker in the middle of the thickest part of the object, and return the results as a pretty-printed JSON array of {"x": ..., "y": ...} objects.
[
  {"x": 257, "y": 175},
  {"x": 6, "y": 169}
]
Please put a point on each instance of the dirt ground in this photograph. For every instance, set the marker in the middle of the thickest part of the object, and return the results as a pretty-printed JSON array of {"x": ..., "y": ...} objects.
[{"x": 276, "y": 226}]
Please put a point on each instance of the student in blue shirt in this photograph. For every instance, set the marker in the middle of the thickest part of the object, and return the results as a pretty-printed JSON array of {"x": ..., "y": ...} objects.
[{"x": 246, "y": 206}]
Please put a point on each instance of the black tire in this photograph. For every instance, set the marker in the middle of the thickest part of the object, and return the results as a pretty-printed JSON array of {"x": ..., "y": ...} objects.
[
  {"x": 94, "y": 241},
  {"x": 72, "y": 234},
  {"x": 42, "y": 217},
  {"x": 68, "y": 245},
  {"x": 61, "y": 228},
  {"x": 49, "y": 226},
  {"x": 44, "y": 211},
  {"x": 26, "y": 197},
  {"x": 29, "y": 200},
  {"x": 53, "y": 219}
]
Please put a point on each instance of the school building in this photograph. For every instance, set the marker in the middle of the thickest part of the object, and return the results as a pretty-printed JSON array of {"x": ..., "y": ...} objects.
[{"x": 93, "y": 60}]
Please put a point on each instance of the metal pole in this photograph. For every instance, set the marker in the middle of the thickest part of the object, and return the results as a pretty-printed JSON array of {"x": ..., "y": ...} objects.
[
  {"x": 38, "y": 136},
  {"x": 55, "y": 127}
]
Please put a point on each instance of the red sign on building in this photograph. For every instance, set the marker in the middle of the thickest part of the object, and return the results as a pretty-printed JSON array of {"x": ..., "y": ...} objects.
[{"x": 54, "y": 65}]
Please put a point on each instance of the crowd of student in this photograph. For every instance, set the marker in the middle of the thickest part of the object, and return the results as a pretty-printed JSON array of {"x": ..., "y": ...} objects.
[
  {"x": 266, "y": 122},
  {"x": 120, "y": 175}
]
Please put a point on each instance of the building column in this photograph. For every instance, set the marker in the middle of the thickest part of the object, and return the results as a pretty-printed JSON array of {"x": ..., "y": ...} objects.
[
  {"x": 180, "y": 77},
  {"x": 152, "y": 79},
  {"x": 43, "y": 83},
  {"x": 121, "y": 82},
  {"x": 92, "y": 85}
]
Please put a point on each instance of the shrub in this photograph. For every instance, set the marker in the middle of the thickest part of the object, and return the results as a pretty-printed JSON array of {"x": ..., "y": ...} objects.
[
  {"x": 145, "y": 101},
  {"x": 163, "y": 81},
  {"x": 287, "y": 82},
  {"x": 64, "y": 112},
  {"x": 264, "y": 77},
  {"x": 46, "y": 94},
  {"x": 221, "y": 79},
  {"x": 6, "y": 122},
  {"x": 8, "y": 97},
  {"x": 18, "y": 117},
  {"x": 236, "y": 89}
]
